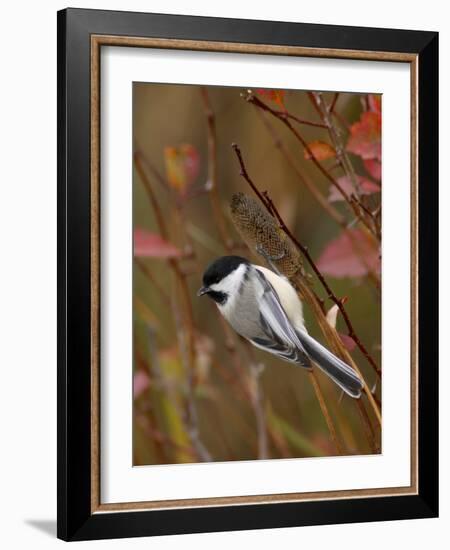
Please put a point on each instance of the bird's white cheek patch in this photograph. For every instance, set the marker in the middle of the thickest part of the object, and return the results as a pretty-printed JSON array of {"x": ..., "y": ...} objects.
[{"x": 230, "y": 286}]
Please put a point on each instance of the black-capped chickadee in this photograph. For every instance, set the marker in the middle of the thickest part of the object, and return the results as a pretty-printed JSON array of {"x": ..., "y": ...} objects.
[{"x": 265, "y": 309}]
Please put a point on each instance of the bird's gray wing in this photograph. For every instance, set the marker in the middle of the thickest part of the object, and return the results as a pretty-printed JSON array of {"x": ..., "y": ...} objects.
[{"x": 280, "y": 337}]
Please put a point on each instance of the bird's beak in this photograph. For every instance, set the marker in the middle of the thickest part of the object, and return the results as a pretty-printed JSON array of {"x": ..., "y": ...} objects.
[{"x": 203, "y": 290}]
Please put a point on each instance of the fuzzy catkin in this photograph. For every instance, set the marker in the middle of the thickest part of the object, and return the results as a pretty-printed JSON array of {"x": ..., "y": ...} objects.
[{"x": 260, "y": 230}]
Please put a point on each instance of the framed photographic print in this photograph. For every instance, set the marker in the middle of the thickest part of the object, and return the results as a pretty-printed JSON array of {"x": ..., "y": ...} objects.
[{"x": 247, "y": 255}]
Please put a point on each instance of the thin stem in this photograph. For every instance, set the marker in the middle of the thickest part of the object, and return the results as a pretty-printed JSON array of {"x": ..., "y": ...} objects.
[
  {"x": 325, "y": 412},
  {"x": 258, "y": 405},
  {"x": 155, "y": 173},
  {"x": 344, "y": 123},
  {"x": 319, "y": 103},
  {"x": 150, "y": 194},
  {"x": 148, "y": 273},
  {"x": 245, "y": 175},
  {"x": 373, "y": 217},
  {"x": 187, "y": 358},
  {"x": 160, "y": 438},
  {"x": 300, "y": 120},
  {"x": 370, "y": 434},
  {"x": 247, "y": 393},
  {"x": 212, "y": 172},
  {"x": 333, "y": 103}
]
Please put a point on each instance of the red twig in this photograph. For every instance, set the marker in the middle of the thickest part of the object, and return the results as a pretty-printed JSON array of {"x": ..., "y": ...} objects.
[
  {"x": 285, "y": 114},
  {"x": 333, "y": 103},
  {"x": 245, "y": 175}
]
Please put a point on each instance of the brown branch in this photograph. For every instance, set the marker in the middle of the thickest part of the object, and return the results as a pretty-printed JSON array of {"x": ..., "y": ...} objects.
[
  {"x": 333, "y": 103},
  {"x": 325, "y": 412},
  {"x": 212, "y": 172},
  {"x": 377, "y": 400},
  {"x": 300, "y": 120},
  {"x": 148, "y": 273},
  {"x": 150, "y": 194},
  {"x": 245, "y": 175},
  {"x": 258, "y": 406},
  {"x": 245, "y": 390},
  {"x": 256, "y": 393},
  {"x": 370, "y": 432},
  {"x": 344, "y": 123},
  {"x": 151, "y": 168},
  {"x": 297, "y": 119},
  {"x": 320, "y": 105},
  {"x": 156, "y": 175},
  {"x": 160, "y": 439},
  {"x": 187, "y": 360},
  {"x": 373, "y": 218},
  {"x": 160, "y": 379}
]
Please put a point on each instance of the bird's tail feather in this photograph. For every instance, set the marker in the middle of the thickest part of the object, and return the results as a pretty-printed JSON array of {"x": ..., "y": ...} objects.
[{"x": 341, "y": 373}]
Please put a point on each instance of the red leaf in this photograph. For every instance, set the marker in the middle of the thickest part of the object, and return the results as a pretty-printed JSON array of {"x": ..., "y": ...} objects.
[
  {"x": 373, "y": 167},
  {"x": 320, "y": 150},
  {"x": 182, "y": 166},
  {"x": 273, "y": 95},
  {"x": 366, "y": 187},
  {"x": 140, "y": 383},
  {"x": 349, "y": 255},
  {"x": 375, "y": 103},
  {"x": 348, "y": 341},
  {"x": 365, "y": 136},
  {"x": 151, "y": 245}
]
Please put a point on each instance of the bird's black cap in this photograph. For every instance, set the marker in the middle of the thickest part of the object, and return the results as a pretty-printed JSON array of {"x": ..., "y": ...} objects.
[{"x": 220, "y": 268}]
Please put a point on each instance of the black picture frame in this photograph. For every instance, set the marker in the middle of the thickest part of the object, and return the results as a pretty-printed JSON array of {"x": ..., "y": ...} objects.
[{"x": 75, "y": 518}]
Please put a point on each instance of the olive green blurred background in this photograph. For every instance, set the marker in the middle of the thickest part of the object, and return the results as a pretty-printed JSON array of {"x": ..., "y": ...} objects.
[{"x": 171, "y": 115}]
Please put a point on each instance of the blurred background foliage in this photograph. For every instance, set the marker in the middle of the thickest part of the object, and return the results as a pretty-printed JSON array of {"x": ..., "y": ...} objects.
[{"x": 196, "y": 396}]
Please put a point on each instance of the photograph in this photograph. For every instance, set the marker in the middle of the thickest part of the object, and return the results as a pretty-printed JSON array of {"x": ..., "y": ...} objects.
[
  {"x": 247, "y": 274},
  {"x": 257, "y": 269}
]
